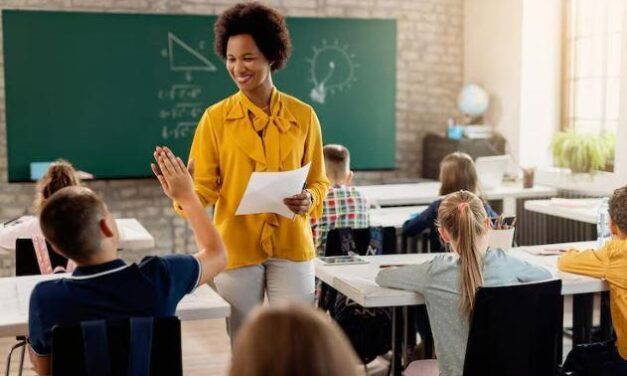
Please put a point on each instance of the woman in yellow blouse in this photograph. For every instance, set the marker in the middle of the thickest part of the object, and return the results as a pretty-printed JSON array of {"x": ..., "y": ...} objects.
[{"x": 259, "y": 129}]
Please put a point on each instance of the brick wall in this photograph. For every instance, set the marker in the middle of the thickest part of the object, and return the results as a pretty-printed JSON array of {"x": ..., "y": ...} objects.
[{"x": 429, "y": 75}]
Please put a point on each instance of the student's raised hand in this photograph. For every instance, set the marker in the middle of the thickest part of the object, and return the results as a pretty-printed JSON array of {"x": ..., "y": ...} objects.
[
  {"x": 299, "y": 203},
  {"x": 173, "y": 175}
]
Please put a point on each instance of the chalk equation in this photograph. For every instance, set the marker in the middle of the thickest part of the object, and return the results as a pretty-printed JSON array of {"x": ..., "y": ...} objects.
[
  {"x": 184, "y": 129},
  {"x": 180, "y": 92}
]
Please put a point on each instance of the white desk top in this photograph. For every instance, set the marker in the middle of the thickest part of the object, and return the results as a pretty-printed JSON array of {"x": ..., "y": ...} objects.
[
  {"x": 425, "y": 193},
  {"x": 358, "y": 281},
  {"x": 133, "y": 235},
  {"x": 582, "y": 209},
  {"x": 393, "y": 216},
  {"x": 204, "y": 303}
]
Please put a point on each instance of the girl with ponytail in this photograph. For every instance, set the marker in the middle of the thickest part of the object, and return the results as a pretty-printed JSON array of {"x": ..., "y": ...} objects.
[
  {"x": 450, "y": 281},
  {"x": 60, "y": 174}
]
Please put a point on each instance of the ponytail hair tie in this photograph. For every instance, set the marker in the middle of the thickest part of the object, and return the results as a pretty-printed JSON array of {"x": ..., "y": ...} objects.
[{"x": 462, "y": 206}]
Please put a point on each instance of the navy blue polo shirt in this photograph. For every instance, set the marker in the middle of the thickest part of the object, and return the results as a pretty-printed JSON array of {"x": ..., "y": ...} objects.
[{"x": 111, "y": 290}]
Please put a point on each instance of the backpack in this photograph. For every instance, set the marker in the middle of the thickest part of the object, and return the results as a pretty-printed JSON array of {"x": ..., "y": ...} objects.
[{"x": 368, "y": 329}]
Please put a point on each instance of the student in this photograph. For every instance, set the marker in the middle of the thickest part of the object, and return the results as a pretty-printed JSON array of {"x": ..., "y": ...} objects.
[
  {"x": 449, "y": 282},
  {"x": 344, "y": 205},
  {"x": 609, "y": 263},
  {"x": 304, "y": 341},
  {"x": 457, "y": 172},
  {"x": 60, "y": 174},
  {"x": 80, "y": 227}
]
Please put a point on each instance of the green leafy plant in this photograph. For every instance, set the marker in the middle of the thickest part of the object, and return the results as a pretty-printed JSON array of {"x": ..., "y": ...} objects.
[{"x": 582, "y": 152}]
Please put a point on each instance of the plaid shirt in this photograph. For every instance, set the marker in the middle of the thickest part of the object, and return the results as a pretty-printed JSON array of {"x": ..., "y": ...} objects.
[{"x": 344, "y": 206}]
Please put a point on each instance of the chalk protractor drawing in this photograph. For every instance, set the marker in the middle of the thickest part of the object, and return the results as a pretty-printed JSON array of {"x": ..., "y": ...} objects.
[
  {"x": 185, "y": 58},
  {"x": 331, "y": 69}
]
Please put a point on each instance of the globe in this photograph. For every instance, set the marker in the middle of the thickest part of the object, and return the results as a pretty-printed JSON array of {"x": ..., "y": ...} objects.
[{"x": 473, "y": 100}]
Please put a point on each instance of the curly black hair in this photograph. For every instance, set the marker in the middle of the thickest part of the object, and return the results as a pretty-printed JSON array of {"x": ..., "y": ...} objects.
[
  {"x": 618, "y": 208},
  {"x": 266, "y": 25}
]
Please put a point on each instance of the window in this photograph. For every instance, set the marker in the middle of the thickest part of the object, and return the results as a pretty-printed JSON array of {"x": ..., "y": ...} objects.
[{"x": 592, "y": 53}]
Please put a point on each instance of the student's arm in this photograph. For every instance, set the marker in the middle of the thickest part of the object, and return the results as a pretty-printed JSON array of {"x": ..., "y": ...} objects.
[
  {"x": 589, "y": 262},
  {"x": 41, "y": 363},
  {"x": 526, "y": 271},
  {"x": 39, "y": 337},
  {"x": 177, "y": 184},
  {"x": 205, "y": 163},
  {"x": 410, "y": 277},
  {"x": 422, "y": 221}
]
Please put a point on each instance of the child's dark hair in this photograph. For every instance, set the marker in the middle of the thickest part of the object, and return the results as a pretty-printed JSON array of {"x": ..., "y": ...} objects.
[
  {"x": 266, "y": 25},
  {"x": 618, "y": 208},
  {"x": 60, "y": 174},
  {"x": 70, "y": 220}
]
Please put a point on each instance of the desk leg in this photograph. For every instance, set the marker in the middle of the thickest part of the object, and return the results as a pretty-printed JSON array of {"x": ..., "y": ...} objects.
[
  {"x": 397, "y": 336},
  {"x": 582, "y": 318},
  {"x": 606, "y": 317},
  {"x": 560, "y": 337}
]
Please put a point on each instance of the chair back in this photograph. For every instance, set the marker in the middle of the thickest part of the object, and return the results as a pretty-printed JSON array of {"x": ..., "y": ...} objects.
[
  {"x": 135, "y": 346},
  {"x": 515, "y": 330},
  {"x": 26, "y": 260},
  {"x": 362, "y": 238}
]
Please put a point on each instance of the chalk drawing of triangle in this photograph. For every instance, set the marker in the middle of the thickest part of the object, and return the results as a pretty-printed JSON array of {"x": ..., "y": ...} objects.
[{"x": 185, "y": 58}]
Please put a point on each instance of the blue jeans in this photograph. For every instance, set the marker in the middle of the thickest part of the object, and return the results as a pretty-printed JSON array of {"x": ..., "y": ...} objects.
[{"x": 595, "y": 359}]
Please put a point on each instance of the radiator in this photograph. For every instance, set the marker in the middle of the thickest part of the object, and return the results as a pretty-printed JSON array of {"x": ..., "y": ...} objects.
[{"x": 535, "y": 228}]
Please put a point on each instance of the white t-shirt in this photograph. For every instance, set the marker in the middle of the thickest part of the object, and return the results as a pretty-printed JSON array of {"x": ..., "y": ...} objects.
[{"x": 24, "y": 227}]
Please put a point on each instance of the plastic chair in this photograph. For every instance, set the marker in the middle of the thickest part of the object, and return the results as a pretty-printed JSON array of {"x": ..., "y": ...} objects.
[
  {"x": 514, "y": 331},
  {"x": 136, "y": 346},
  {"x": 26, "y": 259}
]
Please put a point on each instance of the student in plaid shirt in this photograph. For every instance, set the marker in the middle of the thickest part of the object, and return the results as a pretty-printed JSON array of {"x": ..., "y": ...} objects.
[{"x": 344, "y": 205}]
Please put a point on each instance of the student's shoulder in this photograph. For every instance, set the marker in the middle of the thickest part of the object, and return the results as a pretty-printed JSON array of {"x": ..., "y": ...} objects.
[
  {"x": 50, "y": 291},
  {"x": 164, "y": 265},
  {"x": 617, "y": 248}
]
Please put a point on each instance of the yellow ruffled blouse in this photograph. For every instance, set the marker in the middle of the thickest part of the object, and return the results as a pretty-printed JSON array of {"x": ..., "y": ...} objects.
[{"x": 233, "y": 139}]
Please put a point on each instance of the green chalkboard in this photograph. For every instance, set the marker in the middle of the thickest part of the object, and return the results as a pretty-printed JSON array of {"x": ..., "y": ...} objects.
[{"x": 102, "y": 89}]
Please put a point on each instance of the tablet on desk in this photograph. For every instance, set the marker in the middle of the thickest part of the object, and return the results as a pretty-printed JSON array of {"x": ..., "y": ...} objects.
[{"x": 342, "y": 260}]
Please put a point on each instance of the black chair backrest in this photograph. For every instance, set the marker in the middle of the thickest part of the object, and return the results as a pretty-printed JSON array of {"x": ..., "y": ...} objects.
[
  {"x": 26, "y": 259},
  {"x": 361, "y": 237},
  {"x": 68, "y": 351},
  {"x": 515, "y": 330}
]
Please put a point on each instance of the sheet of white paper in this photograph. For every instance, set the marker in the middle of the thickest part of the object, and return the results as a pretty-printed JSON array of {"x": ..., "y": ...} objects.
[{"x": 266, "y": 190}]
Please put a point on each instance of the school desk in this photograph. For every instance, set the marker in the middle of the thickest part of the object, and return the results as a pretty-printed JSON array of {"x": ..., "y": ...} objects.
[
  {"x": 203, "y": 303},
  {"x": 425, "y": 193},
  {"x": 357, "y": 282},
  {"x": 580, "y": 209}
]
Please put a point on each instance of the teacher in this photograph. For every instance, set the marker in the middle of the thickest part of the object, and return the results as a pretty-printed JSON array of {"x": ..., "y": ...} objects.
[{"x": 258, "y": 129}]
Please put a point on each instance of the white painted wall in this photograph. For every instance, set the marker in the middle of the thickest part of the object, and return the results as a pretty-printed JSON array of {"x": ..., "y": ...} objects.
[
  {"x": 492, "y": 59},
  {"x": 541, "y": 61}
]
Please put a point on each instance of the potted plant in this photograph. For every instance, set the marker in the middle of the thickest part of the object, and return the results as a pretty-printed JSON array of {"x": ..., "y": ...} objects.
[{"x": 582, "y": 152}]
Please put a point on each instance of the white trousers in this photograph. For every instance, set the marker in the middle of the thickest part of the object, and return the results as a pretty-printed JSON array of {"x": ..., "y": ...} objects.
[{"x": 281, "y": 280}]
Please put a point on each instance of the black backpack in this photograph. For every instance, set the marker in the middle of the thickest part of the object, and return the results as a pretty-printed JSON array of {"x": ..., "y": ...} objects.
[{"x": 368, "y": 329}]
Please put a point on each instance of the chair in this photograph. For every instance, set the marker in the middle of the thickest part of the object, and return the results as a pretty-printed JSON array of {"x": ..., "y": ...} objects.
[
  {"x": 515, "y": 330},
  {"x": 135, "y": 346},
  {"x": 26, "y": 259},
  {"x": 362, "y": 239}
]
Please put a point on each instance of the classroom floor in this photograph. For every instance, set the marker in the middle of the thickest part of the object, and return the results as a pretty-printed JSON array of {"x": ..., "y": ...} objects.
[{"x": 207, "y": 351}]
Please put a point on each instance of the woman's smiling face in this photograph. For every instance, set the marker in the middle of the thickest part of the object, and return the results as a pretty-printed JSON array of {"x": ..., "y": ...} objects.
[{"x": 246, "y": 64}]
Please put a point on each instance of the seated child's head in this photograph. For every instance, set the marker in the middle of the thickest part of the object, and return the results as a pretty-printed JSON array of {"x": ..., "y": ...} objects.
[
  {"x": 618, "y": 213},
  {"x": 457, "y": 172},
  {"x": 60, "y": 174},
  {"x": 78, "y": 225},
  {"x": 304, "y": 340},
  {"x": 337, "y": 163},
  {"x": 463, "y": 222}
]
